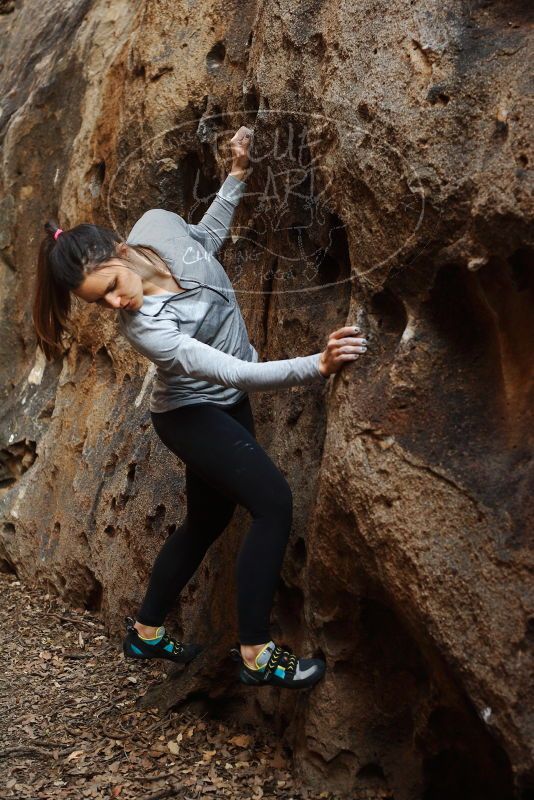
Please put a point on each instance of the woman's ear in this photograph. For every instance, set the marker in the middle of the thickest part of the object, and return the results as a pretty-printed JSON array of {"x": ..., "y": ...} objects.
[{"x": 122, "y": 250}]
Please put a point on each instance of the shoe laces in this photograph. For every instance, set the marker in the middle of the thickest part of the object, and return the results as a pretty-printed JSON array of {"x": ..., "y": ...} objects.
[
  {"x": 284, "y": 657},
  {"x": 177, "y": 646}
]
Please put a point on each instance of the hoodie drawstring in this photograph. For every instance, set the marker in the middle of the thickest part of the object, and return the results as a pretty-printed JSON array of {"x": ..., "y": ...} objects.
[{"x": 177, "y": 294}]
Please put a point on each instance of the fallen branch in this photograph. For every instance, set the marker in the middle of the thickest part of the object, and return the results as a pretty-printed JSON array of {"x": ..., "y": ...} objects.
[{"x": 24, "y": 750}]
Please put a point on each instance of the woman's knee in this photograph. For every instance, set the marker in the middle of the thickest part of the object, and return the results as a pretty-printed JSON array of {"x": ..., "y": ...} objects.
[
  {"x": 209, "y": 520},
  {"x": 277, "y": 500}
]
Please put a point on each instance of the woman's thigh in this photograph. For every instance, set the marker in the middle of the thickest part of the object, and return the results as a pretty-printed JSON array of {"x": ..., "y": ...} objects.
[
  {"x": 209, "y": 510},
  {"x": 220, "y": 447}
]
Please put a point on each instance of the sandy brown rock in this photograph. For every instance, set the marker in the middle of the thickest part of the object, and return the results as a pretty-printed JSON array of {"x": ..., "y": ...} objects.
[{"x": 408, "y": 566}]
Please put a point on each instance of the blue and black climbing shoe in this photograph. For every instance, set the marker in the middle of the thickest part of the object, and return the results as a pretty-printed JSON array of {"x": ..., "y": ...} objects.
[
  {"x": 277, "y": 665},
  {"x": 161, "y": 646}
]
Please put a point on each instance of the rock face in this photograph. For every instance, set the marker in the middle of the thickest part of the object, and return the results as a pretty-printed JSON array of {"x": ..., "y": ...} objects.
[{"x": 402, "y": 132}]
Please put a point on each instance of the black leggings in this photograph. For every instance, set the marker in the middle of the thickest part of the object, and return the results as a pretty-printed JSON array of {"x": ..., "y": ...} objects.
[{"x": 225, "y": 466}]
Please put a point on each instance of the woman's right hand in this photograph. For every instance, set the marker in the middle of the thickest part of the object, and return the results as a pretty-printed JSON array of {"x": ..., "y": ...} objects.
[{"x": 343, "y": 345}]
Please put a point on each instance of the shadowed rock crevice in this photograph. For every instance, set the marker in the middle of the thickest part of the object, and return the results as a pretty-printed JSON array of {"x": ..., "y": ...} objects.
[
  {"x": 15, "y": 459},
  {"x": 455, "y": 754},
  {"x": 154, "y": 522},
  {"x": 8, "y": 535},
  {"x": 215, "y": 57},
  {"x": 461, "y": 760},
  {"x": 389, "y": 318}
]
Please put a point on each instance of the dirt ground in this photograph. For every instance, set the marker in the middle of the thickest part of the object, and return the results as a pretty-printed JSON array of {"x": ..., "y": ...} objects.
[{"x": 70, "y": 728}]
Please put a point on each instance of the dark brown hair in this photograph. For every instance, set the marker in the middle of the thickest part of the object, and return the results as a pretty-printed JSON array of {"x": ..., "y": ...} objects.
[{"x": 62, "y": 265}]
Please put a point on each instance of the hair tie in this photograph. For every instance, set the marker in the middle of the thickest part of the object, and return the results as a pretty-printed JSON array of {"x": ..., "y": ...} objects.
[{"x": 56, "y": 234}]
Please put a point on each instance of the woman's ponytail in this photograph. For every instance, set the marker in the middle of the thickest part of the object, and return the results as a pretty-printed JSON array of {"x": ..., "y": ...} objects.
[
  {"x": 52, "y": 301},
  {"x": 65, "y": 257}
]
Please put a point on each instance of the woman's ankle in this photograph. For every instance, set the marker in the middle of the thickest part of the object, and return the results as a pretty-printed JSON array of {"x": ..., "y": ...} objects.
[
  {"x": 250, "y": 651},
  {"x": 145, "y": 630}
]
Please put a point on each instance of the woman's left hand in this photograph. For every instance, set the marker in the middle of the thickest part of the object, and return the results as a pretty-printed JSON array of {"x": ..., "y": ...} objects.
[{"x": 240, "y": 145}]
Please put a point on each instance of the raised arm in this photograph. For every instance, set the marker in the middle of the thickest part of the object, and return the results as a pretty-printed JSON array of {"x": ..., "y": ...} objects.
[
  {"x": 214, "y": 226},
  {"x": 180, "y": 354}
]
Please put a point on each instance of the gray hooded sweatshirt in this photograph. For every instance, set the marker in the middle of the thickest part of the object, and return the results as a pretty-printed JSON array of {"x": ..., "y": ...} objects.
[{"x": 197, "y": 338}]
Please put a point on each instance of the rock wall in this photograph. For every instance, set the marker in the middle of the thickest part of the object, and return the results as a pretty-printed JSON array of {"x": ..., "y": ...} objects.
[{"x": 408, "y": 563}]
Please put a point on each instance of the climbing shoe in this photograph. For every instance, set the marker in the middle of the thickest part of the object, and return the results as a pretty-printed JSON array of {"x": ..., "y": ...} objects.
[
  {"x": 162, "y": 646},
  {"x": 277, "y": 665}
]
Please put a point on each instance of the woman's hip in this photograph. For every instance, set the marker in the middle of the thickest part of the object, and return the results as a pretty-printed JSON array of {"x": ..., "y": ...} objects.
[
  {"x": 221, "y": 447},
  {"x": 180, "y": 420}
]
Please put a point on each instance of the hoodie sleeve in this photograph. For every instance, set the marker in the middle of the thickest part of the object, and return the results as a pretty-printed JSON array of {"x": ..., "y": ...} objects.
[
  {"x": 180, "y": 354},
  {"x": 214, "y": 226}
]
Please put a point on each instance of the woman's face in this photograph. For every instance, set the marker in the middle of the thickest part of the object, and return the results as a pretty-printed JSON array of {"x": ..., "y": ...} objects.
[{"x": 112, "y": 285}]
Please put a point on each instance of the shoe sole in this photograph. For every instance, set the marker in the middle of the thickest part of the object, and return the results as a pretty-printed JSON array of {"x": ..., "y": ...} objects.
[
  {"x": 247, "y": 680},
  {"x": 157, "y": 657}
]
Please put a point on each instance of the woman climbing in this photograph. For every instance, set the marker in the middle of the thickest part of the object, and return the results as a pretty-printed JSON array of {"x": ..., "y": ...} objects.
[{"x": 176, "y": 306}]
